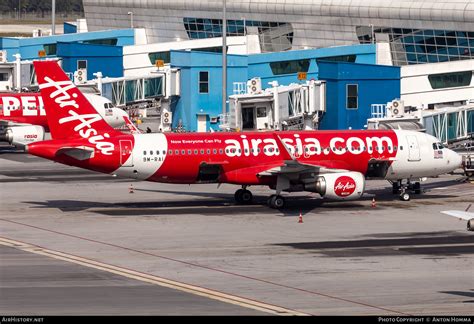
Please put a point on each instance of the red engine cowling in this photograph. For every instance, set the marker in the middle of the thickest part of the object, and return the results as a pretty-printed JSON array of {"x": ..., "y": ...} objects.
[{"x": 339, "y": 186}]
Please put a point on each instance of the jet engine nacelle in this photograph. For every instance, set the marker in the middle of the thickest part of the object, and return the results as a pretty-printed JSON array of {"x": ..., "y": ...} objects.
[
  {"x": 339, "y": 186},
  {"x": 22, "y": 135}
]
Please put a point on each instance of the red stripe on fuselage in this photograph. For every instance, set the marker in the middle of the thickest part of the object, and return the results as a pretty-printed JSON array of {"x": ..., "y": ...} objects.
[
  {"x": 257, "y": 153},
  {"x": 23, "y": 108}
]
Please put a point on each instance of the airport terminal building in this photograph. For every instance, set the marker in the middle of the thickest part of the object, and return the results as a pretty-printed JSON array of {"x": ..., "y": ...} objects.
[{"x": 418, "y": 31}]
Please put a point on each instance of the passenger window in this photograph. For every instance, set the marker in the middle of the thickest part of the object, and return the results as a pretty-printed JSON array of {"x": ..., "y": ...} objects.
[
  {"x": 144, "y": 152},
  {"x": 151, "y": 152},
  {"x": 189, "y": 152},
  {"x": 183, "y": 152},
  {"x": 220, "y": 151},
  {"x": 208, "y": 151},
  {"x": 170, "y": 152},
  {"x": 164, "y": 152},
  {"x": 195, "y": 152},
  {"x": 401, "y": 148},
  {"x": 157, "y": 152},
  {"x": 214, "y": 151},
  {"x": 202, "y": 151}
]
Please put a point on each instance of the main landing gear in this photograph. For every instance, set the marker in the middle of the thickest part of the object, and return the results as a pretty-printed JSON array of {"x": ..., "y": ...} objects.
[
  {"x": 404, "y": 190},
  {"x": 276, "y": 202},
  {"x": 245, "y": 197}
]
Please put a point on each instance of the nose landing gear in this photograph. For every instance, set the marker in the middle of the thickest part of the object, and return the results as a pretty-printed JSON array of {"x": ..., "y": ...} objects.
[{"x": 404, "y": 190}]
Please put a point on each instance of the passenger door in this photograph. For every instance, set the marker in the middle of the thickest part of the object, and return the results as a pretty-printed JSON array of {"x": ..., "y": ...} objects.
[
  {"x": 125, "y": 152},
  {"x": 413, "y": 148}
]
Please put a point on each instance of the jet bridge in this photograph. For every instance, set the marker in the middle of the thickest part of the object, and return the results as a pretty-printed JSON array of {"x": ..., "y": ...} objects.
[
  {"x": 292, "y": 107},
  {"x": 451, "y": 125},
  {"x": 143, "y": 96}
]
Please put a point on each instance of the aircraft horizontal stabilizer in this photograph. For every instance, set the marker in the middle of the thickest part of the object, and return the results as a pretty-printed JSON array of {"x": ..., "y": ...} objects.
[
  {"x": 459, "y": 214},
  {"x": 79, "y": 153}
]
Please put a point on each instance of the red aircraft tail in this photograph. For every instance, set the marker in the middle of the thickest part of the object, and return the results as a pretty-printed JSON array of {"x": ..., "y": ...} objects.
[{"x": 69, "y": 113}]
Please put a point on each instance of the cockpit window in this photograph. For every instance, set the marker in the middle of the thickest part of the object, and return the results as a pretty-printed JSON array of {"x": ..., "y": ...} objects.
[{"x": 438, "y": 146}]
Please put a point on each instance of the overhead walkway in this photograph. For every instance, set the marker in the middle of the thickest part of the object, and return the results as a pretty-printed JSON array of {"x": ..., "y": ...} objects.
[{"x": 453, "y": 126}]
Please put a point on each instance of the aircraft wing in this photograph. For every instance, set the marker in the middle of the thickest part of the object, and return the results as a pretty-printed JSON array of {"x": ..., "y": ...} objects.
[
  {"x": 79, "y": 152},
  {"x": 459, "y": 214},
  {"x": 292, "y": 166}
]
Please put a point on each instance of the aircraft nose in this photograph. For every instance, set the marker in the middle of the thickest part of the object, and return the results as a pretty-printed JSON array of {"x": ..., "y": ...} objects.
[{"x": 454, "y": 160}]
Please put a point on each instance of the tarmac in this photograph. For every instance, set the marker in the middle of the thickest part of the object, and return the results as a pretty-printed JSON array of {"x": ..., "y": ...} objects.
[{"x": 74, "y": 242}]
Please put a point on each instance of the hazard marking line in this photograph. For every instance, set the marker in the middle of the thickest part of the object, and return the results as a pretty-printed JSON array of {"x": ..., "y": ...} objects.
[{"x": 195, "y": 290}]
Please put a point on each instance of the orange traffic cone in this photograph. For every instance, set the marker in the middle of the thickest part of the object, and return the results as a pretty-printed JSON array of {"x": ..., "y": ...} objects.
[
  {"x": 130, "y": 189},
  {"x": 373, "y": 203},
  {"x": 300, "y": 219}
]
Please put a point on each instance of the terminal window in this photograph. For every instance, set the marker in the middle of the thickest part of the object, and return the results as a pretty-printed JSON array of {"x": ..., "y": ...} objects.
[
  {"x": 164, "y": 56},
  {"x": 352, "y": 96},
  {"x": 82, "y": 64},
  {"x": 50, "y": 49},
  {"x": 450, "y": 80},
  {"x": 3, "y": 76},
  {"x": 289, "y": 67},
  {"x": 418, "y": 46},
  {"x": 203, "y": 82},
  {"x": 273, "y": 36},
  {"x": 340, "y": 58}
]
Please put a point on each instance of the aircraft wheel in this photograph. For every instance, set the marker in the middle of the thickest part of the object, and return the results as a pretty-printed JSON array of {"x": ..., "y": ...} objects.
[
  {"x": 238, "y": 196},
  {"x": 246, "y": 196},
  {"x": 405, "y": 196},
  {"x": 277, "y": 202}
]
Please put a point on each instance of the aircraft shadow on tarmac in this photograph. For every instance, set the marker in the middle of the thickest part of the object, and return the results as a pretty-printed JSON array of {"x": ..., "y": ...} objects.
[
  {"x": 441, "y": 244},
  {"x": 469, "y": 294},
  {"x": 221, "y": 203}
]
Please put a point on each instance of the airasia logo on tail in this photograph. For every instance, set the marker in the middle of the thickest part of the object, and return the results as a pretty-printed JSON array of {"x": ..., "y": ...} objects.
[
  {"x": 85, "y": 128},
  {"x": 344, "y": 186}
]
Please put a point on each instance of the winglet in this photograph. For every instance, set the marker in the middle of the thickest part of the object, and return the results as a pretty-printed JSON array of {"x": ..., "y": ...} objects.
[{"x": 284, "y": 151}]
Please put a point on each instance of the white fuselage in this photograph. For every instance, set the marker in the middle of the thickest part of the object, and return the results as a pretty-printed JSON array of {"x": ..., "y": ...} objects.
[{"x": 417, "y": 157}]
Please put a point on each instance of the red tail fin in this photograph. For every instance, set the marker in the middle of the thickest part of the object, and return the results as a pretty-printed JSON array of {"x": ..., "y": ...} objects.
[{"x": 69, "y": 113}]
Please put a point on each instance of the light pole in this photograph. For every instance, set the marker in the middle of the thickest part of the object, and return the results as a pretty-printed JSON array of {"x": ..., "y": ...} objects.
[
  {"x": 19, "y": 9},
  {"x": 131, "y": 18},
  {"x": 53, "y": 17},
  {"x": 372, "y": 36},
  {"x": 224, "y": 59}
]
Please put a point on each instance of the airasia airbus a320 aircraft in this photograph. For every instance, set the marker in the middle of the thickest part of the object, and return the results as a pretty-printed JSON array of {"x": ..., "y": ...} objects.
[
  {"x": 334, "y": 164},
  {"x": 23, "y": 116}
]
